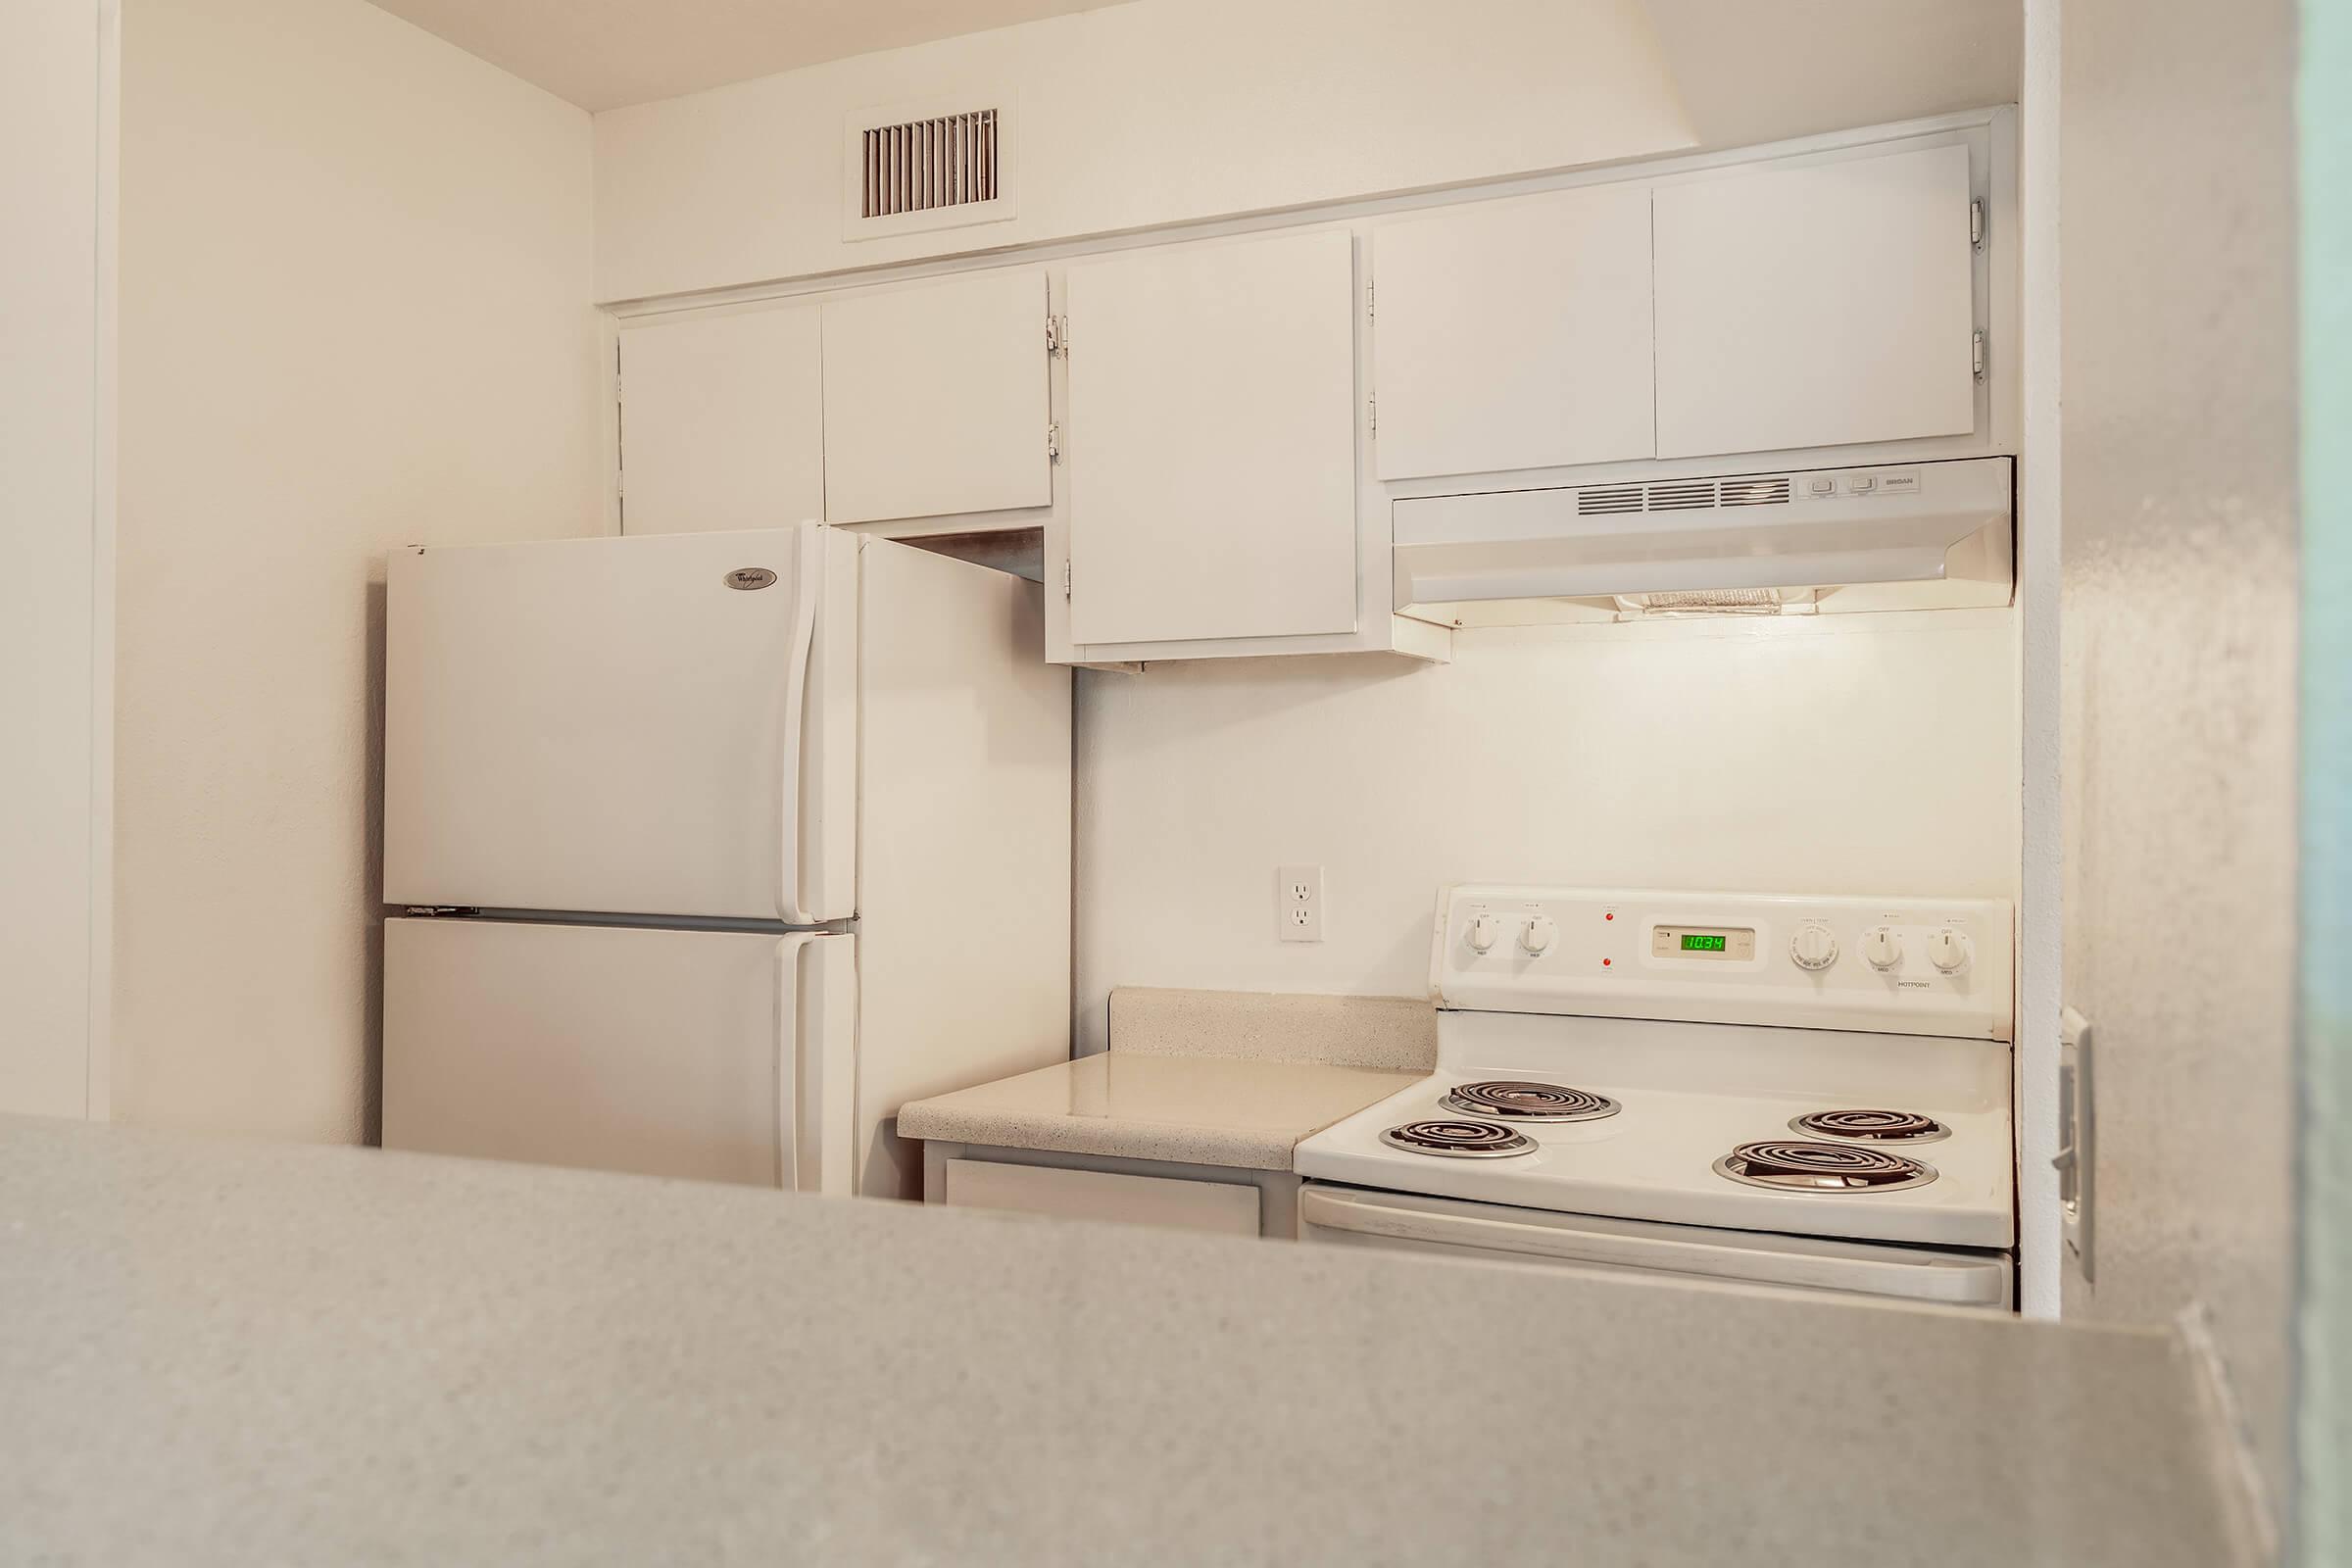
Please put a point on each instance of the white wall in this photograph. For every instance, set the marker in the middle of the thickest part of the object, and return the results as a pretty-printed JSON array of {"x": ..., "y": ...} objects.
[
  {"x": 1847, "y": 755},
  {"x": 55, "y": 60},
  {"x": 2041, "y": 908},
  {"x": 1158, "y": 112},
  {"x": 1753, "y": 73},
  {"x": 2180, "y": 599},
  {"x": 355, "y": 313}
]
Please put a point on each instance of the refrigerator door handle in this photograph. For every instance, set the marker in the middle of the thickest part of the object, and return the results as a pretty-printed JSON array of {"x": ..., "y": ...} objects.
[
  {"x": 791, "y": 996},
  {"x": 810, "y": 567}
]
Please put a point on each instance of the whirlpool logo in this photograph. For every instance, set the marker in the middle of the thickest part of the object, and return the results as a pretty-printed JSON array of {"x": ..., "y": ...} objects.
[{"x": 748, "y": 579}]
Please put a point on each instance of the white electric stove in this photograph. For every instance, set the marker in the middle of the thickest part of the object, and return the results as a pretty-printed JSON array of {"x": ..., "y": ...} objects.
[{"x": 1809, "y": 1093}]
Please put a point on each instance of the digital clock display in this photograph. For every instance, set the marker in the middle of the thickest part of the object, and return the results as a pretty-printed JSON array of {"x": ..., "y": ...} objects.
[{"x": 1702, "y": 942}]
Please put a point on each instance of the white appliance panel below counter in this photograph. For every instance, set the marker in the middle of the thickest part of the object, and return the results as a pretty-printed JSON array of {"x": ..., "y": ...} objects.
[{"x": 1497, "y": 1233}]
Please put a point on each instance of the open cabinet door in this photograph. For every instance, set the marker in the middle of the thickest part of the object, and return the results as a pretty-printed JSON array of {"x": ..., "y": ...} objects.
[
  {"x": 1211, "y": 440},
  {"x": 936, "y": 398},
  {"x": 721, "y": 1055}
]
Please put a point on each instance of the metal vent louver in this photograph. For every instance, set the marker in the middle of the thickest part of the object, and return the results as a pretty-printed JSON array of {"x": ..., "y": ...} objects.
[
  {"x": 1603, "y": 500},
  {"x": 919, "y": 166},
  {"x": 1681, "y": 495},
  {"x": 1755, "y": 492}
]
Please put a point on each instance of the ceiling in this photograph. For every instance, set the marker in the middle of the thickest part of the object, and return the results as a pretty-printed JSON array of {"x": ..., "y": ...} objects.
[
  {"x": 601, "y": 54},
  {"x": 1749, "y": 71}
]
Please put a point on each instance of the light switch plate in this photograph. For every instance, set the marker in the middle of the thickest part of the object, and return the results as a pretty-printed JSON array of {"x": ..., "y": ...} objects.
[{"x": 1298, "y": 902}]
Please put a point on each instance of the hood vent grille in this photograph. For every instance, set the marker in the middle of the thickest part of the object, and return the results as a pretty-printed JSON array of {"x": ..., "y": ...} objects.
[
  {"x": 1923, "y": 535},
  {"x": 1755, "y": 492},
  {"x": 921, "y": 165},
  {"x": 1603, "y": 500},
  {"x": 1681, "y": 495}
]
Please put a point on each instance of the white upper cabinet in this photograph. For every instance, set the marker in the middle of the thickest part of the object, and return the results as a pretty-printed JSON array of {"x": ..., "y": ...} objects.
[
  {"x": 1515, "y": 334},
  {"x": 935, "y": 398},
  {"x": 721, "y": 421},
  {"x": 1815, "y": 305},
  {"x": 1211, "y": 441}
]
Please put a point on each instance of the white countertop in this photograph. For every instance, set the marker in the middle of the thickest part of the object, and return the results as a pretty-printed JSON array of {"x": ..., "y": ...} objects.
[
  {"x": 1200, "y": 1110},
  {"x": 218, "y": 1352},
  {"x": 1231, "y": 1078}
]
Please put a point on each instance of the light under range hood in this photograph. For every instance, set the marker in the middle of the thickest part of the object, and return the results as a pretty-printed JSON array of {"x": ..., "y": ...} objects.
[{"x": 1818, "y": 541}]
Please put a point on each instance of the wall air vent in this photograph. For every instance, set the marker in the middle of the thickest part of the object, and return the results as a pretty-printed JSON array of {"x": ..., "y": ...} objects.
[
  {"x": 928, "y": 166},
  {"x": 918, "y": 165}
]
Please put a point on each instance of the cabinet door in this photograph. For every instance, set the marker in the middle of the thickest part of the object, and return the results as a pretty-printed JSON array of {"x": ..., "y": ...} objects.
[
  {"x": 722, "y": 423},
  {"x": 1515, "y": 334},
  {"x": 1212, "y": 439},
  {"x": 1815, "y": 305},
  {"x": 936, "y": 400},
  {"x": 1227, "y": 1208}
]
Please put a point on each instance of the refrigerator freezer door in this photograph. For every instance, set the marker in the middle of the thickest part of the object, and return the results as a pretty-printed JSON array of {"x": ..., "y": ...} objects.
[
  {"x": 722, "y": 1056},
  {"x": 622, "y": 725}
]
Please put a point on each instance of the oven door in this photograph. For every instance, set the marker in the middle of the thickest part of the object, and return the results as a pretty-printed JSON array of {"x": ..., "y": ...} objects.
[{"x": 1495, "y": 1233}]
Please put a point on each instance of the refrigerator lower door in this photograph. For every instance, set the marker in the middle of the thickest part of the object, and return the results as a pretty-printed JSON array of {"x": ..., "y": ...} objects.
[
  {"x": 659, "y": 726},
  {"x": 721, "y": 1056}
]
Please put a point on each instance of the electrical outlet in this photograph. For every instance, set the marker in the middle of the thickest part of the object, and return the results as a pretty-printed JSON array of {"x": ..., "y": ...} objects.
[{"x": 1298, "y": 902}]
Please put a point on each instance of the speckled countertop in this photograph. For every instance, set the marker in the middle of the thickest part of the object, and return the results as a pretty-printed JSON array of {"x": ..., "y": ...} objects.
[
  {"x": 1202, "y": 1110},
  {"x": 1231, "y": 1078},
  {"x": 237, "y": 1352}
]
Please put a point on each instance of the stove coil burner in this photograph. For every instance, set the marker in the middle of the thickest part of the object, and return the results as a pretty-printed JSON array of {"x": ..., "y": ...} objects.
[
  {"x": 1459, "y": 1140},
  {"x": 1789, "y": 1165},
  {"x": 1875, "y": 1126},
  {"x": 1517, "y": 1099}
]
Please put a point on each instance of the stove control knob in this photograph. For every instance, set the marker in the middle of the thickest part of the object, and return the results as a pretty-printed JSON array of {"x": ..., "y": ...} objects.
[
  {"x": 1949, "y": 950},
  {"x": 1484, "y": 930},
  {"x": 1538, "y": 936},
  {"x": 1883, "y": 946},
  {"x": 1814, "y": 947}
]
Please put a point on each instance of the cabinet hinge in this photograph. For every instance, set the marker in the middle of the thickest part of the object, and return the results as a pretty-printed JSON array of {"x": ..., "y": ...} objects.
[
  {"x": 1372, "y": 411},
  {"x": 1052, "y": 443},
  {"x": 1058, "y": 336},
  {"x": 1368, "y": 288},
  {"x": 1976, "y": 353},
  {"x": 1975, "y": 224},
  {"x": 1066, "y": 579}
]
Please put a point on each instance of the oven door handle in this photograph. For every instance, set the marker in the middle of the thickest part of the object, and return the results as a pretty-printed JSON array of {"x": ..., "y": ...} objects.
[{"x": 1948, "y": 1281}]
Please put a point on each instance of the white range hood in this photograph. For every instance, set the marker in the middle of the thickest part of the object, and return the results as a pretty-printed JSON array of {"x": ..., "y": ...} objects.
[{"x": 1897, "y": 536}]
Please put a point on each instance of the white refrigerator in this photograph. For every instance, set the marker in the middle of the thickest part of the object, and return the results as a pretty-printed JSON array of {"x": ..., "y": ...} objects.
[{"x": 706, "y": 851}]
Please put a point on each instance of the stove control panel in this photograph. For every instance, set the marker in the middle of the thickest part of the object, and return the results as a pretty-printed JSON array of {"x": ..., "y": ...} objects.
[
  {"x": 1898, "y": 965},
  {"x": 1726, "y": 944},
  {"x": 1814, "y": 947}
]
